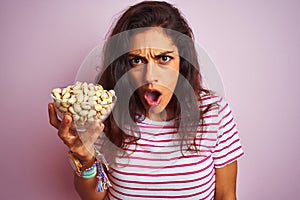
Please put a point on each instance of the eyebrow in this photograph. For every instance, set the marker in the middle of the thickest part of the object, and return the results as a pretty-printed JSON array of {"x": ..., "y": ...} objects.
[
  {"x": 166, "y": 52},
  {"x": 161, "y": 53}
]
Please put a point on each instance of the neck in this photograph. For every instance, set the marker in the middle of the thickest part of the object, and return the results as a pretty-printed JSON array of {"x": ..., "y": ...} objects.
[{"x": 164, "y": 115}]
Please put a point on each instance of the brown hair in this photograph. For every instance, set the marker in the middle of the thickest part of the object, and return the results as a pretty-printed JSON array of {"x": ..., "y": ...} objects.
[{"x": 143, "y": 15}]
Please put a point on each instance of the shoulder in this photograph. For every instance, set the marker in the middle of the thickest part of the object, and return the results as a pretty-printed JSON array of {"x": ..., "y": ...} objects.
[
  {"x": 216, "y": 112},
  {"x": 212, "y": 102}
]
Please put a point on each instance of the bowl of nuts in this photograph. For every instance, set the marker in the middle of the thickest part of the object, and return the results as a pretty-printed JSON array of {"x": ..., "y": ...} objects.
[{"x": 85, "y": 102}]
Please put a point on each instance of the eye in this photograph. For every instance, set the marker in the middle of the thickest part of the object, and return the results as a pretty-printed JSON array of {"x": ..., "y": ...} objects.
[
  {"x": 164, "y": 59},
  {"x": 135, "y": 61}
]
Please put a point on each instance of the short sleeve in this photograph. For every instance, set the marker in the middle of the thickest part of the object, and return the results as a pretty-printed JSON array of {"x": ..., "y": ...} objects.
[{"x": 228, "y": 147}]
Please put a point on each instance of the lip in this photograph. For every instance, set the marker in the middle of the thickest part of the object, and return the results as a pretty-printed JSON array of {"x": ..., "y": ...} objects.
[{"x": 150, "y": 101}]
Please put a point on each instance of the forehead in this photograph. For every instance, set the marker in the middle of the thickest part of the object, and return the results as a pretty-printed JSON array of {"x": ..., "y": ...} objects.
[{"x": 152, "y": 38}]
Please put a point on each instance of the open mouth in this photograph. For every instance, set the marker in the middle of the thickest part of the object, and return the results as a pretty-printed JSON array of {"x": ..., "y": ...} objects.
[{"x": 152, "y": 97}]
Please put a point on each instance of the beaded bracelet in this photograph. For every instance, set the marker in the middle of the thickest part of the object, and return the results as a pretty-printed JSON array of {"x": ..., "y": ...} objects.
[
  {"x": 97, "y": 169},
  {"x": 90, "y": 172},
  {"x": 103, "y": 181}
]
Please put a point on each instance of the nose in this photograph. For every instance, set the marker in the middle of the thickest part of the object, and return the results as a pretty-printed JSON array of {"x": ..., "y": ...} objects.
[{"x": 150, "y": 73}]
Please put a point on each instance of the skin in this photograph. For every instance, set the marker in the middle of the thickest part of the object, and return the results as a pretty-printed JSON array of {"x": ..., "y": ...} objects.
[
  {"x": 154, "y": 65},
  {"x": 153, "y": 68},
  {"x": 84, "y": 187},
  {"x": 226, "y": 182}
]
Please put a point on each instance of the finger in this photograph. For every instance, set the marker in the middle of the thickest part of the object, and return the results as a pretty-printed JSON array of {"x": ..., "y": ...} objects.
[
  {"x": 99, "y": 129},
  {"x": 94, "y": 131},
  {"x": 89, "y": 137},
  {"x": 64, "y": 128},
  {"x": 66, "y": 133},
  {"x": 53, "y": 120},
  {"x": 83, "y": 147}
]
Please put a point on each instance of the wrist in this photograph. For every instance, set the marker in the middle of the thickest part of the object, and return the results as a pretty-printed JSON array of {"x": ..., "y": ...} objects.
[
  {"x": 80, "y": 165},
  {"x": 87, "y": 159},
  {"x": 84, "y": 156},
  {"x": 91, "y": 169},
  {"x": 90, "y": 172}
]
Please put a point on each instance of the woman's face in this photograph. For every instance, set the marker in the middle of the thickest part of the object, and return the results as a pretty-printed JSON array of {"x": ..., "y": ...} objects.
[{"x": 154, "y": 70}]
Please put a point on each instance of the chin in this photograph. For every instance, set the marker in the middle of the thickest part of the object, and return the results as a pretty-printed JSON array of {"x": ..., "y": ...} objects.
[{"x": 156, "y": 109}]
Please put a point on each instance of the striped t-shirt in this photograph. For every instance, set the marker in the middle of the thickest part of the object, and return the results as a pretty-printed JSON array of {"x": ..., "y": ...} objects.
[{"x": 156, "y": 168}]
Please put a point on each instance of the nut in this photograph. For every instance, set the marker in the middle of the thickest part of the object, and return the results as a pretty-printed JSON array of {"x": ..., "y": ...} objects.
[{"x": 85, "y": 101}]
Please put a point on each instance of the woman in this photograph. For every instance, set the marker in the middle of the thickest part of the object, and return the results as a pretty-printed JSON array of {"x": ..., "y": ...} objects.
[{"x": 167, "y": 137}]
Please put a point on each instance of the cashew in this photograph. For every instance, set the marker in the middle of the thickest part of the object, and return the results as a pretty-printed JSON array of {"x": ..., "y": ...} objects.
[
  {"x": 104, "y": 95},
  {"x": 98, "y": 107},
  {"x": 84, "y": 113},
  {"x": 63, "y": 109},
  {"x": 57, "y": 95},
  {"x": 85, "y": 98},
  {"x": 65, "y": 104},
  {"x": 71, "y": 109},
  {"x": 80, "y": 98},
  {"x": 112, "y": 92},
  {"x": 77, "y": 107},
  {"x": 85, "y": 90},
  {"x": 92, "y": 113},
  {"x": 103, "y": 111},
  {"x": 85, "y": 106},
  {"x": 65, "y": 90},
  {"x": 91, "y": 93},
  {"x": 56, "y": 90},
  {"x": 76, "y": 117},
  {"x": 72, "y": 100},
  {"x": 86, "y": 102},
  {"x": 66, "y": 95},
  {"x": 77, "y": 91}
]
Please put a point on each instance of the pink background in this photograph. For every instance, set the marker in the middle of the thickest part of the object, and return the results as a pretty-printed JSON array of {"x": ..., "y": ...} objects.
[{"x": 255, "y": 45}]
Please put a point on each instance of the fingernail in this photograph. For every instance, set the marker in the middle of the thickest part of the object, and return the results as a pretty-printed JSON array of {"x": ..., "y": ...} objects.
[{"x": 66, "y": 120}]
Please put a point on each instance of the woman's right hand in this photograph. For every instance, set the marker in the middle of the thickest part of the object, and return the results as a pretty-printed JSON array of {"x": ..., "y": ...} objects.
[{"x": 81, "y": 147}]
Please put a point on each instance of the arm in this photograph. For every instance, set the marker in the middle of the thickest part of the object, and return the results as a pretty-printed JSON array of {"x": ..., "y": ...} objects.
[
  {"x": 226, "y": 182},
  {"x": 86, "y": 188},
  {"x": 227, "y": 151}
]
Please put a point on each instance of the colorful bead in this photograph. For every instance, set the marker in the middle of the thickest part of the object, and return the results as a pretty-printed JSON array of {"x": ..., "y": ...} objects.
[
  {"x": 103, "y": 181},
  {"x": 90, "y": 172}
]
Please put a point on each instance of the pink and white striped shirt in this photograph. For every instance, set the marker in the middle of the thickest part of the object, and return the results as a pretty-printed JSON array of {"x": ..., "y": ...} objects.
[{"x": 156, "y": 168}]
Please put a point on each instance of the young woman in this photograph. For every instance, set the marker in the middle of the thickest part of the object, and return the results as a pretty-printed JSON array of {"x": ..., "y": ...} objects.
[{"x": 167, "y": 137}]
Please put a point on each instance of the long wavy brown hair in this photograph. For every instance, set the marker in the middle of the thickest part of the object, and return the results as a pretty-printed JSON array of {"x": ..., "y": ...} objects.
[{"x": 184, "y": 101}]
